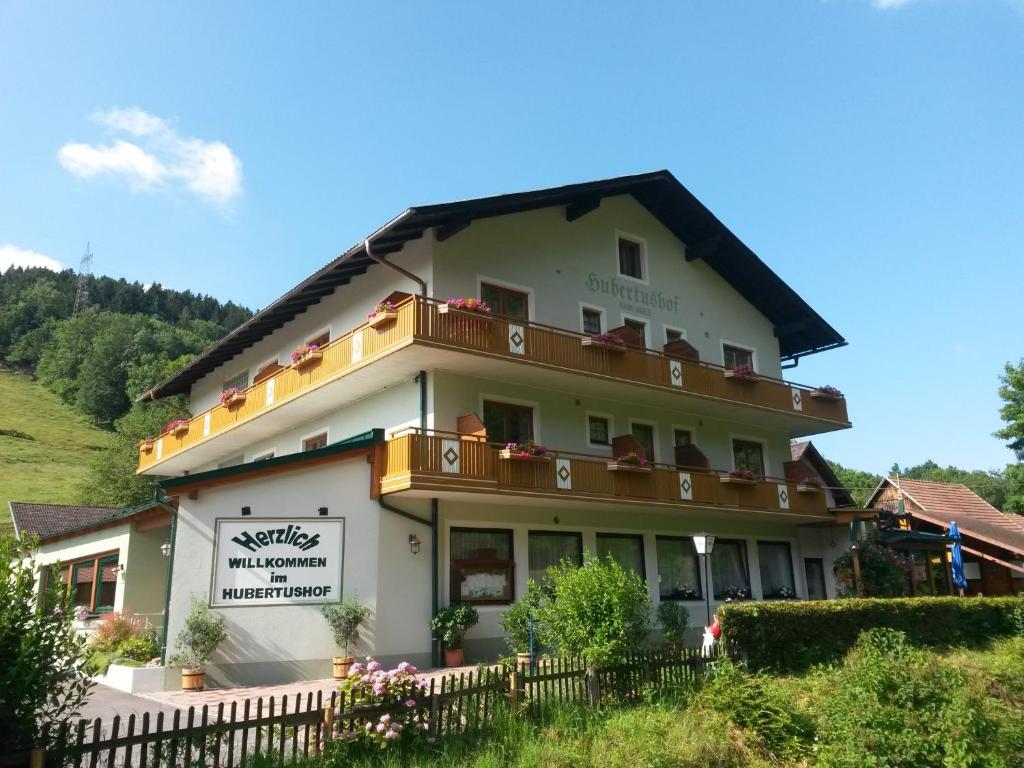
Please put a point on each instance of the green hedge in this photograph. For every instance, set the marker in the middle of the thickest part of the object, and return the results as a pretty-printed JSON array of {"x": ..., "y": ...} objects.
[{"x": 789, "y": 636}]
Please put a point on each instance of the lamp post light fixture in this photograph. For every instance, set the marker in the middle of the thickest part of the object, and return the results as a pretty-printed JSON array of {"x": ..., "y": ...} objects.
[{"x": 704, "y": 544}]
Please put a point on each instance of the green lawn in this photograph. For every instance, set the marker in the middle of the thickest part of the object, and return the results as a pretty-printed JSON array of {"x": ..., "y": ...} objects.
[{"x": 45, "y": 447}]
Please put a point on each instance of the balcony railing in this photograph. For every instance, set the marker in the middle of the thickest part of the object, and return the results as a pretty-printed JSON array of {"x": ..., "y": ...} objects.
[
  {"x": 422, "y": 321},
  {"x": 439, "y": 461}
]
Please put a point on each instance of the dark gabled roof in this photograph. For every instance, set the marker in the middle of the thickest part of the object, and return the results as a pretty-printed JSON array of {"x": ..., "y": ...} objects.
[
  {"x": 800, "y": 330},
  {"x": 805, "y": 450},
  {"x": 45, "y": 520}
]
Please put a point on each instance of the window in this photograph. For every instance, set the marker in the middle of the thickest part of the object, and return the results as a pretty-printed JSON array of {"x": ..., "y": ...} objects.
[
  {"x": 505, "y": 301},
  {"x": 547, "y": 548},
  {"x": 747, "y": 454},
  {"x": 737, "y": 357},
  {"x": 626, "y": 549},
  {"x": 678, "y": 569},
  {"x": 814, "y": 570},
  {"x": 264, "y": 456},
  {"x": 508, "y": 423},
  {"x": 729, "y": 571},
  {"x": 591, "y": 321},
  {"x": 599, "y": 430},
  {"x": 314, "y": 442},
  {"x": 93, "y": 582},
  {"x": 631, "y": 259},
  {"x": 682, "y": 436},
  {"x": 639, "y": 327},
  {"x": 644, "y": 434},
  {"x": 671, "y": 335},
  {"x": 776, "y": 563},
  {"x": 241, "y": 381},
  {"x": 482, "y": 566},
  {"x": 320, "y": 340}
]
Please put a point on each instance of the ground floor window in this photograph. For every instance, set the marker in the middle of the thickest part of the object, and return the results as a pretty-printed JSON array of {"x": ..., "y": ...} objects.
[
  {"x": 814, "y": 570},
  {"x": 482, "y": 566},
  {"x": 626, "y": 549},
  {"x": 678, "y": 569},
  {"x": 548, "y": 548},
  {"x": 776, "y": 564},
  {"x": 92, "y": 582},
  {"x": 729, "y": 570}
]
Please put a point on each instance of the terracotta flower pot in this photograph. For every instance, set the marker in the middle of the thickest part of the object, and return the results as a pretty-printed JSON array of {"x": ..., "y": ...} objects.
[
  {"x": 522, "y": 659},
  {"x": 341, "y": 666},
  {"x": 453, "y": 657},
  {"x": 193, "y": 679}
]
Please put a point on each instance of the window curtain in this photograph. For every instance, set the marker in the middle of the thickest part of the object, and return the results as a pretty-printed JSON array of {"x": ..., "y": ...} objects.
[
  {"x": 776, "y": 567},
  {"x": 481, "y": 545},
  {"x": 729, "y": 569},
  {"x": 548, "y": 549},
  {"x": 627, "y": 551},
  {"x": 678, "y": 569}
]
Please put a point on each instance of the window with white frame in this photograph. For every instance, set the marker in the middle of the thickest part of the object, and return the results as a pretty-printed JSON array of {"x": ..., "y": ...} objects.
[
  {"x": 678, "y": 568},
  {"x": 548, "y": 548},
  {"x": 592, "y": 321},
  {"x": 674, "y": 334},
  {"x": 631, "y": 258},
  {"x": 737, "y": 357},
  {"x": 314, "y": 442},
  {"x": 682, "y": 436},
  {"x": 776, "y": 565},
  {"x": 644, "y": 434},
  {"x": 639, "y": 327},
  {"x": 599, "y": 429},
  {"x": 748, "y": 455},
  {"x": 241, "y": 381},
  {"x": 263, "y": 456}
]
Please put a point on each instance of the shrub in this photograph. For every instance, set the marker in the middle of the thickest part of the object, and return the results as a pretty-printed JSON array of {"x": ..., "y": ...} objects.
[
  {"x": 598, "y": 610},
  {"x": 199, "y": 638},
  {"x": 369, "y": 684},
  {"x": 793, "y": 636},
  {"x": 883, "y": 572},
  {"x": 515, "y": 621},
  {"x": 757, "y": 704},
  {"x": 674, "y": 619},
  {"x": 139, "y": 649},
  {"x": 113, "y": 629},
  {"x": 891, "y": 704},
  {"x": 451, "y": 624},
  {"x": 41, "y": 680},
  {"x": 344, "y": 619}
]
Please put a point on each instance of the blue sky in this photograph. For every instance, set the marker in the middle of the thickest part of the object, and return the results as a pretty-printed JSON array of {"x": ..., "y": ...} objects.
[{"x": 870, "y": 152}]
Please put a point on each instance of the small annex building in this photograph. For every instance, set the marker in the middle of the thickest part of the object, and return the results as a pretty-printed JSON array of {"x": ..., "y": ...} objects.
[
  {"x": 111, "y": 558},
  {"x": 992, "y": 541}
]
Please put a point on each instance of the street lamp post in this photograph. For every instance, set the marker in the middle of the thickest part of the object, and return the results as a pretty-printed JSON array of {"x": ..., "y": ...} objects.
[{"x": 704, "y": 543}]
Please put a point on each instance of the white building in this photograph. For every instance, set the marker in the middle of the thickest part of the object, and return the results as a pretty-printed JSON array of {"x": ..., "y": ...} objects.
[{"x": 373, "y": 466}]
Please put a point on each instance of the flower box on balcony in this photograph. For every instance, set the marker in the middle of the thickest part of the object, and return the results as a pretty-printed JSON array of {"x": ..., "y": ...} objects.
[
  {"x": 826, "y": 393},
  {"x": 604, "y": 341},
  {"x": 630, "y": 462},
  {"x": 801, "y": 488},
  {"x": 232, "y": 398},
  {"x": 146, "y": 445},
  {"x": 739, "y": 477},
  {"x": 307, "y": 359},
  {"x": 528, "y": 451},
  {"x": 177, "y": 428},
  {"x": 742, "y": 373},
  {"x": 378, "y": 319},
  {"x": 464, "y": 306}
]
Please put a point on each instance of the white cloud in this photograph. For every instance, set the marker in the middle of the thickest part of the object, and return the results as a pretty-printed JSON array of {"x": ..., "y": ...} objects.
[
  {"x": 161, "y": 157},
  {"x": 13, "y": 256}
]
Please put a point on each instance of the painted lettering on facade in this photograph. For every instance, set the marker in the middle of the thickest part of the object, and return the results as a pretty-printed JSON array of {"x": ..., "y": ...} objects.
[
  {"x": 277, "y": 562},
  {"x": 634, "y": 299}
]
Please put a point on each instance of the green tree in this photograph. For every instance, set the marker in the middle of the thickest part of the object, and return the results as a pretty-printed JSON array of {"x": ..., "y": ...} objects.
[
  {"x": 41, "y": 679},
  {"x": 859, "y": 483},
  {"x": 1011, "y": 392}
]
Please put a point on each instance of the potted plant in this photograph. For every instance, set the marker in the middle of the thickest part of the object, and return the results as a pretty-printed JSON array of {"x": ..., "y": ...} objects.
[
  {"x": 518, "y": 621},
  {"x": 674, "y": 619},
  {"x": 739, "y": 477},
  {"x": 476, "y": 306},
  {"x": 735, "y": 594},
  {"x": 608, "y": 341},
  {"x": 176, "y": 427},
  {"x": 232, "y": 396},
  {"x": 450, "y": 626},
  {"x": 629, "y": 462},
  {"x": 199, "y": 638},
  {"x": 344, "y": 619},
  {"x": 383, "y": 313},
  {"x": 525, "y": 450},
  {"x": 827, "y": 393},
  {"x": 741, "y": 373},
  {"x": 147, "y": 444},
  {"x": 306, "y": 355},
  {"x": 808, "y": 484}
]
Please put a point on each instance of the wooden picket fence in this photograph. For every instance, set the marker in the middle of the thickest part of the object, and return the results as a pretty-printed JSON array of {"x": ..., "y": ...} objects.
[{"x": 288, "y": 729}]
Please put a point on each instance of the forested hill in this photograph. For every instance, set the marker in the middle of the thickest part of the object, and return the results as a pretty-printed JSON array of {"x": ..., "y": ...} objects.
[{"x": 128, "y": 337}]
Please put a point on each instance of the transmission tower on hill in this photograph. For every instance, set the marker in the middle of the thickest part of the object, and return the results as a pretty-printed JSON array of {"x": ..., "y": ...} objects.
[{"x": 82, "y": 287}]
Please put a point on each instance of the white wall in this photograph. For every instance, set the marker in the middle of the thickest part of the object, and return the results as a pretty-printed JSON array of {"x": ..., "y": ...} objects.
[{"x": 279, "y": 643}]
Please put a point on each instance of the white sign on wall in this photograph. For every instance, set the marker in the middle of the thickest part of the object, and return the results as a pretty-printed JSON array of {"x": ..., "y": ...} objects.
[{"x": 277, "y": 561}]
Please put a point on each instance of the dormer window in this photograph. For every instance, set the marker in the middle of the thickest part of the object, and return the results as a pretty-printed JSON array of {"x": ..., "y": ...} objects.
[{"x": 631, "y": 258}]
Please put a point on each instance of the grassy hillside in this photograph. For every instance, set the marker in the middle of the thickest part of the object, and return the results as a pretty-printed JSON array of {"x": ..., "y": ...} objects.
[{"x": 45, "y": 447}]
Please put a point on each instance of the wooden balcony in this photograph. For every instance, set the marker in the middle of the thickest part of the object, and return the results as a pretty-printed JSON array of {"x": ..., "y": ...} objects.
[
  {"x": 436, "y": 462},
  {"x": 532, "y": 353}
]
